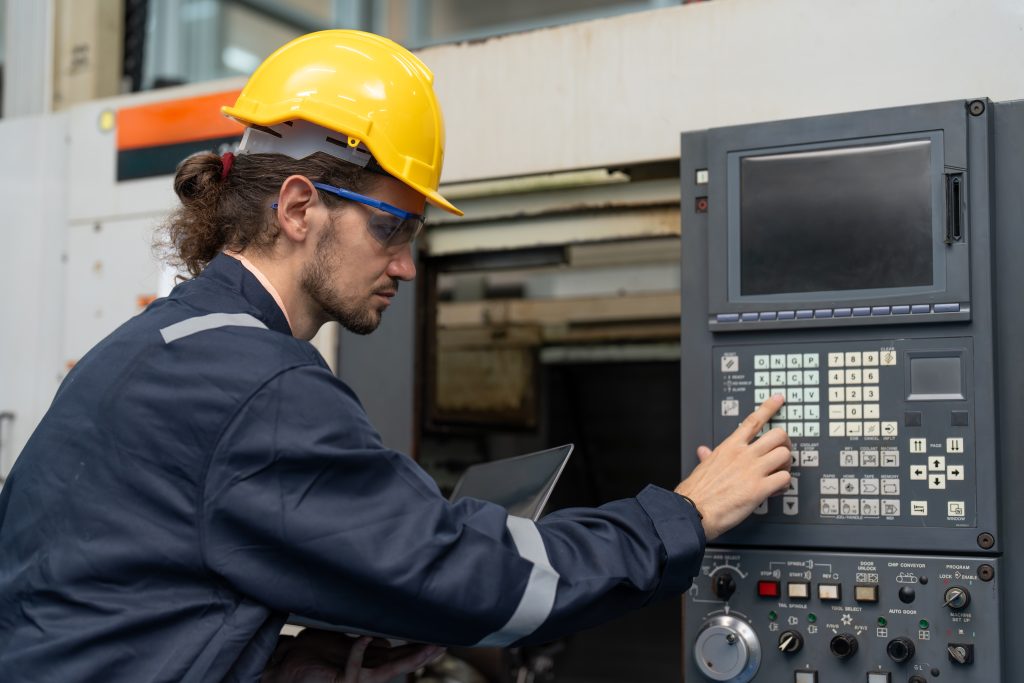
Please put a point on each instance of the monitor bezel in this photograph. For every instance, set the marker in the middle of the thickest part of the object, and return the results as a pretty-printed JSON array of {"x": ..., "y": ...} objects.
[{"x": 945, "y": 128}]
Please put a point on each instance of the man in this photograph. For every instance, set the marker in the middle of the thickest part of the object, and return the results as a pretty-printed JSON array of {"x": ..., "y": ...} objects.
[{"x": 201, "y": 473}]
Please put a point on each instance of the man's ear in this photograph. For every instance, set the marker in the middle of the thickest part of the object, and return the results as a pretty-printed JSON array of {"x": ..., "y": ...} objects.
[{"x": 295, "y": 204}]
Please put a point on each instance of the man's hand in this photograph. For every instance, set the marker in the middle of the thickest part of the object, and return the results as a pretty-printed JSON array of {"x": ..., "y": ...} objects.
[
  {"x": 323, "y": 657},
  {"x": 743, "y": 471}
]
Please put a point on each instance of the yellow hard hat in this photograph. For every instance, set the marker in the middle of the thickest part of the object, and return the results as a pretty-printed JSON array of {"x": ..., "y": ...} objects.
[{"x": 375, "y": 94}]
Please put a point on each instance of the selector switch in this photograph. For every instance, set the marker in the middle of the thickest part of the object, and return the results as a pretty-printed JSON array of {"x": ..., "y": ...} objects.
[
  {"x": 843, "y": 646},
  {"x": 900, "y": 650},
  {"x": 956, "y": 597},
  {"x": 724, "y": 586},
  {"x": 960, "y": 653},
  {"x": 790, "y": 642}
]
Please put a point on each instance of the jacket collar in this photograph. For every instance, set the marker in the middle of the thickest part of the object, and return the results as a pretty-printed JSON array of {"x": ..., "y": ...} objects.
[{"x": 229, "y": 272}]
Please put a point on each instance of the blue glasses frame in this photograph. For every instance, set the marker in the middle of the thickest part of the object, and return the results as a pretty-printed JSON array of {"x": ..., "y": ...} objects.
[{"x": 388, "y": 233}]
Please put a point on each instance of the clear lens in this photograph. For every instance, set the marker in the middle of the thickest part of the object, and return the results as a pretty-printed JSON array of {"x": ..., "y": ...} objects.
[{"x": 392, "y": 231}]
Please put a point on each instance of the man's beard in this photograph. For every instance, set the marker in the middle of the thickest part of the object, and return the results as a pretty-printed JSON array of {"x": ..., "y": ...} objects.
[{"x": 316, "y": 282}]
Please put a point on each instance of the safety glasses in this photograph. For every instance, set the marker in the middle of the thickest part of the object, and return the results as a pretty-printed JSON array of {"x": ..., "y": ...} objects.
[{"x": 392, "y": 228}]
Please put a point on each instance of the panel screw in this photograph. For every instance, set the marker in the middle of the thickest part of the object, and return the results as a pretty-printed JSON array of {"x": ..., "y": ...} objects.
[
  {"x": 986, "y": 572},
  {"x": 976, "y": 108},
  {"x": 986, "y": 540}
]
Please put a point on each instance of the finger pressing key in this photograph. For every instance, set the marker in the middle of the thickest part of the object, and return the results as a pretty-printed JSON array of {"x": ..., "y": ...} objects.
[{"x": 753, "y": 423}]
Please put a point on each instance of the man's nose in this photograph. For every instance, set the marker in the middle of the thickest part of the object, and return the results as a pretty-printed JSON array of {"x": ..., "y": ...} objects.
[{"x": 403, "y": 265}]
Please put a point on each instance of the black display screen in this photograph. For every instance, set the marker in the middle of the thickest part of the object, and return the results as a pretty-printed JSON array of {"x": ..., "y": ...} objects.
[{"x": 836, "y": 219}]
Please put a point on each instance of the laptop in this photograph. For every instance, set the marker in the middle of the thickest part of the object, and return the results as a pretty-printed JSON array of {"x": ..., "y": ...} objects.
[{"x": 521, "y": 484}]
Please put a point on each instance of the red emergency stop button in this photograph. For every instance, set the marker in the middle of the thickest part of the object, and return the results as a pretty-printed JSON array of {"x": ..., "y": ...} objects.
[{"x": 768, "y": 589}]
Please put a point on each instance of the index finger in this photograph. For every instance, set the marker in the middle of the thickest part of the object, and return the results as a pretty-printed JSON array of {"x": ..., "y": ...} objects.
[{"x": 753, "y": 423}]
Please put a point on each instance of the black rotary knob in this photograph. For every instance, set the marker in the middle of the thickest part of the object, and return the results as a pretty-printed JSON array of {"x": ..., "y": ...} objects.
[
  {"x": 843, "y": 646},
  {"x": 724, "y": 585},
  {"x": 790, "y": 642},
  {"x": 900, "y": 649}
]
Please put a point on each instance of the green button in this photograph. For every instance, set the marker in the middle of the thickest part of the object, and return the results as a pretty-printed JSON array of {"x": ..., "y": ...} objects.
[
  {"x": 923, "y": 623},
  {"x": 772, "y": 615},
  {"x": 812, "y": 617},
  {"x": 882, "y": 621}
]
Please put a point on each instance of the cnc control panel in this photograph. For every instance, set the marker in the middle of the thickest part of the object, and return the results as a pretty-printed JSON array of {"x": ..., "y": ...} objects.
[
  {"x": 798, "y": 617},
  {"x": 881, "y": 429}
]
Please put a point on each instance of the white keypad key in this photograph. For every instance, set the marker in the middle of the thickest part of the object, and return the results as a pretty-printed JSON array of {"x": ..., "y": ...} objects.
[
  {"x": 870, "y": 507},
  {"x": 783, "y": 414},
  {"x": 869, "y": 458},
  {"x": 794, "y": 395},
  {"x": 761, "y": 362},
  {"x": 871, "y": 393},
  {"x": 853, "y": 412},
  {"x": 919, "y": 508},
  {"x": 761, "y": 395},
  {"x": 918, "y": 472},
  {"x": 869, "y": 486},
  {"x": 761, "y": 509},
  {"x": 853, "y": 358},
  {"x": 730, "y": 362},
  {"x": 761, "y": 379},
  {"x": 954, "y": 445},
  {"x": 936, "y": 481},
  {"x": 811, "y": 395},
  {"x": 836, "y": 360},
  {"x": 810, "y": 360},
  {"x": 829, "y": 507},
  {"x": 778, "y": 361},
  {"x": 872, "y": 428},
  {"x": 836, "y": 377},
  {"x": 795, "y": 413},
  {"x": 829, "y": 486},
  {"x": 870, "y": 375},
  {"x": 811, "y": 412},
  {"x": 890, "y": 507},
  {"x": 808, "y": 458},
  {"x": 849, "y": 458},
  {"x": 869, "y": 358},
  {"x": 836, "y": 395},
  {"x": 812, "y": 377},
  {"x": 871, "y": 411},
  {"x": 854, "y": 429},
  {"x": 887, "y": 357},
  {"x": 849, "y": 506},
  {"x": 956, "y": 508},
  {"x": 794, "y": 360},
  {"x": 890, "y": 428},
  {"x": 778, "y": 378},
  {"x": 790, "y": 505},
  {"x": 955, "y": 473},
  {"x": 890, "y": 487},
  {"x": 918, "y": 445},
  {"x": 854, "y": 395},
  {"x": 936, "y": 463},
  {"x": 812, "y": 429},
  {"x": 853, "y": 377},
  {"x": 795, "y": 429},
  {"x": 837, "y": 411},
  {"x": 890, "y": 457},
  {"x": 837, "y": 429},
  {"x": 794, "y": 378}
]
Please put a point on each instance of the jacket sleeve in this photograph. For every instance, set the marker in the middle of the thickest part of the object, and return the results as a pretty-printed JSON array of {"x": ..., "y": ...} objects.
[{"x": 304, "y": 510}]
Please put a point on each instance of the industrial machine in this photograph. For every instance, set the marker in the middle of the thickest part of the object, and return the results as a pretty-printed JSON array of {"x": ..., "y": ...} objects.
[{"x": 866, "y": 266}]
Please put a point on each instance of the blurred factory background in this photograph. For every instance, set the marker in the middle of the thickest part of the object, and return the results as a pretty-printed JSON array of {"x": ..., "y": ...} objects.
[{"x": 550, "y": 312}]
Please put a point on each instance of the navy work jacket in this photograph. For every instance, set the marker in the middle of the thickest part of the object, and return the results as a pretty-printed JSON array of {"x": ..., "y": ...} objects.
[{"x": 202, "y": 473}]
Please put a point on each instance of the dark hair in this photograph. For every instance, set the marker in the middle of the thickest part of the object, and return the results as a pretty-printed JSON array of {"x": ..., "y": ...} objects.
[{"x": 220, "y": 212}]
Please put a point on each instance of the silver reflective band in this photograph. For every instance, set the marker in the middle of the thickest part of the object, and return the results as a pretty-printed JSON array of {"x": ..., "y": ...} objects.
[
  {"x": 208, "y": 322},
  {"x": 539, "y": 596},
  {"x": 298, "y": 139}
]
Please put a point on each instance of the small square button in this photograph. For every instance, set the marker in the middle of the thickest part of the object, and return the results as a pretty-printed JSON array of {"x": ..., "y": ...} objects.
[
  {"x": 809, "y": 459},
  {"x": 761, "y": 362},
  {"x": 761, "y": 509},
  {"x": 956, "y": 508},
  {"x": 871, "y": 376},
  {"x": 918, "y": 473},
  {"x": 836, "y": 395},
  {"x": 871, "y": 393},
  {"x": 853, "y": 377},
  {"x": 889, "y": 428},
  {"x": 794, "y": 360},
  {"x": 810, "y": 360},
  {"x": 798, "y": 590},
  {"x": 811, "y": 377},
  {"x": 812, "y": 429},
  {"x": 869, "y": 358},
  {"x": 919, "y": 508},
  {"x": 836, "y": 360},
  {"x": 912, "y": 418},
  {"x": 811, "y": 395},
  {"x": 865, "y": 593},
  {"x": 836, "y": 377},
  {"x": 794, "y": 378},
  {"x": 829, "y": 507},
  {"x": 890, "y": 507},
  {"x": 936, "y": 463},
  {"x": 890, "y": 487},
  {"x": 918, "y": 445},
  {"x": 761, "y": 395},
  {"x": 955, "y": 445},
  {"x": 937, "y": 481},
  {"x": 854, "y": 394},
  {"x": 854, "y": 428},
  {"x": 955, "y": 473},
  {"x": 805, "y": 677},
  {"x": 837, "y": 429},
  {"x": 887, "y": 357},
  {"x": 778, "y": 361},
  {"x": 853, "y": 358},
  {"x": 778, "y": 378},
  {"x": 879, "y": 677},
  {"x": 871, "y": 411},
  {"x": 830, "y": 592},
  {"x": 829, "y": 486},
  {"x": 871, "y": 428},
  {"x": 849, "y": 458},
  {"x": 849, "y": 507},
  {"x": 794, "y": 395},
  {"x": 790, "y": 505},
  {"x": 811, "y": 412},
  {"x": 959, "y": 418},
  {"x": 869, "y": 507}
]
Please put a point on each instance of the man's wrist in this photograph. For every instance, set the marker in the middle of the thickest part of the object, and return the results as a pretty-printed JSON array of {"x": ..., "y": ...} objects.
[{"x": 690, "y": 501}]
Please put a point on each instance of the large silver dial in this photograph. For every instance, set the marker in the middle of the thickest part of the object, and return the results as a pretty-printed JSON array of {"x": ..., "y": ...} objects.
[{"x": 727, "y": 649}]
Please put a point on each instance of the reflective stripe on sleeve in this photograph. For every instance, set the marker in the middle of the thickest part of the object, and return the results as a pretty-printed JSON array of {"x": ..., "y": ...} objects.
[
  {"x": 208, "y": 322},
  {"x": 539, "y": 597}
]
